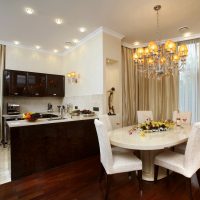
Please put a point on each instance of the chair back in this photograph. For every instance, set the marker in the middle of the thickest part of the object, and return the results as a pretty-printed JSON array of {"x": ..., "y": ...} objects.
[
  {"x": 192, "y": 152},
  {"x": 144, "y": 115},
  {"x": 104, "y": 145},
  {"x": 106, "y": 122},
  {"x": 185, "y": 117}
]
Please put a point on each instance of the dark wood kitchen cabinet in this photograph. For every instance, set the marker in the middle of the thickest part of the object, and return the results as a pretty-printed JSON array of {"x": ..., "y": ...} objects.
[
  {"x": 36, "y": 84},
  {"x": 55, "y": 85},
  {"x": 52, "y": 145},
  {"x": 20, "y": 83},
  {"x": 15, "y": 83}
]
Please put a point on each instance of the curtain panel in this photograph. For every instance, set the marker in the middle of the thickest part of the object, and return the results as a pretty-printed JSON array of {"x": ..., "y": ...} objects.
[
  {"x": 2, "y": 66},
  {"x": 189, "y": 81},
  {"x": 141, "y": 93}
]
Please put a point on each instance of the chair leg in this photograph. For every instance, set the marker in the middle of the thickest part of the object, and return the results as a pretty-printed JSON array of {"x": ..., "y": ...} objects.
[
  {"x": 156, "y": 169},
  {"x": 108, "y": 180},
  {"x": 189, "y": 187},
  {"x": 129, "y": 175},
  {"x": 140, "y": 180},
  {"x": 198, "y": 176},
  {"x": 101, "y": 172},
  {"x": 167, "y": 173}
]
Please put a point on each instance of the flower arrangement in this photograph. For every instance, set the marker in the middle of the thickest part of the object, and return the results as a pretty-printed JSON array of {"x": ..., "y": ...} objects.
[
  {"x": 31, "y": 117},
  {"x": 155, "y": 126}
]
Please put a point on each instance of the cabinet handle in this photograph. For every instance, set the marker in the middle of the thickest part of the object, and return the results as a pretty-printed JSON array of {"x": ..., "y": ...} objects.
[
  {"x": 54, "y": 94},
  {"x": 16, "y": 93},
  {"x": 36, "y": 94}
]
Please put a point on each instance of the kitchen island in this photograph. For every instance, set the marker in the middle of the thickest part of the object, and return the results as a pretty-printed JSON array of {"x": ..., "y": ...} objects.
[{"x": 44, "y": 144}]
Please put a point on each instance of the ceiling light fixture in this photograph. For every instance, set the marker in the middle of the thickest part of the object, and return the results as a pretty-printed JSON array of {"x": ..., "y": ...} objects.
[
  {"x": 55, "y": 51},
  {"x": 16, "y": 42},
  {"x": 82, "y": 29},
  {"x": 187, "y": 34},
  {"x": 136, "y": 43},
  {"x": 58, "y": 21},
  {"x": 159, "y": 60},
  {"x": 29, "y": 11},
  {"x": 66, "y": 46},
  {"x": 37, "y": 47},
  {"x": 75, "y": 41}
]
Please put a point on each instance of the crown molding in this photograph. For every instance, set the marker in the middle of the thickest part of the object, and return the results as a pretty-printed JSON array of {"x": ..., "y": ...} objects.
[
  {"x": 176, "y": 39},
  {"x": 93, "y": 34},
  {"x": 84, "y": 40},
  {"x": 113, "y": 33}
]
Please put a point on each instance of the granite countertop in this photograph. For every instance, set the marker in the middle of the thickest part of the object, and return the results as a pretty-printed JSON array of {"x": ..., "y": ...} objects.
[{"x": 67, "y": 118}]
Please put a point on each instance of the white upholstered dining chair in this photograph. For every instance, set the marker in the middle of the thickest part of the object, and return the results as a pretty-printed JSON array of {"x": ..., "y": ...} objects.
[
  {"x": 108, "y": 126},
  {"x": 185, "y": 118},
  {"x": 186, "y": 164},
  {"x": 114, "y": 162},
  {"x": 144, "y": 115}
]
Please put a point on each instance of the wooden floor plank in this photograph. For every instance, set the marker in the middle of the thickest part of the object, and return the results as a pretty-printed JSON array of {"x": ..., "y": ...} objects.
[{"x": 79, "y": 181}]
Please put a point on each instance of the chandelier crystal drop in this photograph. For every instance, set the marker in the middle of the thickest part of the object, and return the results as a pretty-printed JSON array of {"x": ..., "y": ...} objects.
[{"x": 159, "y": 60}]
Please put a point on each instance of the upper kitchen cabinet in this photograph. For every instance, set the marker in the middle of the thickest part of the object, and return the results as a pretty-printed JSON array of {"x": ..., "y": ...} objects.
[
  {"x": 15, "y": 83},
  {"x": 55, "y": 85},
  {"x": 20, "y": 83},
  {"x": 36, "y": 84}
]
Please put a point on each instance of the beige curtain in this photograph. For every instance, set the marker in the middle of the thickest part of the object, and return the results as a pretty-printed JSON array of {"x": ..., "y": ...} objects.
[
  {"x": 2, "y": 66},
  {"x": 141, "y": 93}
]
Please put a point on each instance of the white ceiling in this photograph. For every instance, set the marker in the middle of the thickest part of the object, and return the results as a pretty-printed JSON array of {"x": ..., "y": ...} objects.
[{"x": 133, "y": 18}]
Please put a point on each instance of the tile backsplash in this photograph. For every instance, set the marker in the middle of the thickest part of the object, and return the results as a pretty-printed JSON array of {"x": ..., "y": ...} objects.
[
  {"x": 33, "y": 104},
  {"x": 86, "y": 102},
  {"x": 39, "y": 104}
]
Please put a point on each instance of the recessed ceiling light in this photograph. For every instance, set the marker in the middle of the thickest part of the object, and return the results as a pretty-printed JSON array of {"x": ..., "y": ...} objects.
[
  {"x": 67, "y": 46},
  {"x": 16, "y": 42},
  {"x": 29, "y": 11},
  {"x": 187, "y": 34},
  {"x": 59, "y": 21},
  {"x": 82, "y": 29},
  {"x": 75, "y": 41},
  {"x": 55, "y": 51},
  {"x": 136, "y": 43},
  {"x": 37, "y": 47}
]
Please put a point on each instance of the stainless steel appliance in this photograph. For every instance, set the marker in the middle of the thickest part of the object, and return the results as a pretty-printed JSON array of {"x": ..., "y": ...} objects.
[{"x": 13, "y": 109}]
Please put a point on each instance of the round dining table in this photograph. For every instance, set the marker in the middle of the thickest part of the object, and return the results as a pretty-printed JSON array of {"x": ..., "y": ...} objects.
[{"x": 149, "y": 144}]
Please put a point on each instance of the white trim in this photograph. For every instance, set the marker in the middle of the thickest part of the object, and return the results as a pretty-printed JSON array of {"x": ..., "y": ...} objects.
[
  {"x": 113, "y": 33},
  {"x": 177, "y": 39},
  {"x": 93, "y": 34},
  {"x": 84, "y": 40},
  {"x": 30, "y": 48}
]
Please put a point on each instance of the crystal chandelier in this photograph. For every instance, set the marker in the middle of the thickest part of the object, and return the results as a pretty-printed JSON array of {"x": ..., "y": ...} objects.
[{"x": 159, "y": 60}]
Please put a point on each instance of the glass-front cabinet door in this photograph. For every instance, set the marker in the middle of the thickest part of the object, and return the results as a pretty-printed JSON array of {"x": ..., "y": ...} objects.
[
  {"x": 18, "y": 83},
  {"x": 36, "y": 84}
]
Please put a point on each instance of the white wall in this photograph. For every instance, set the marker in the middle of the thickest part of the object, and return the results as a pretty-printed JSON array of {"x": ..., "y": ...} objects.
[
  {"x": 113, "y": 72},
  {"x": 86, "y": 60},
  {"x": 18, "y": 58}
]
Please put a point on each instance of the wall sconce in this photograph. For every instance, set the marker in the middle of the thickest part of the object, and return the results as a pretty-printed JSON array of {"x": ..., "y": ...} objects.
[{"x": 73, "y": 77}]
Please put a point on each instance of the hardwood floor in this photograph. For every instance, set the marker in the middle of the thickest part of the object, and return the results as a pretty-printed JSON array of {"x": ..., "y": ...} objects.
[{"x": 79, "y": 181}]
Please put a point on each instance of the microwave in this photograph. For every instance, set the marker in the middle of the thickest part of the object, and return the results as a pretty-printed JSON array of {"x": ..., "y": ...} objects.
[{"x": 13, "y": 109}]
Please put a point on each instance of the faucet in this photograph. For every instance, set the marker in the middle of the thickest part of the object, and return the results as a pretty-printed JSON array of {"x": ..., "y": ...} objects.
[
  {"x": 61, "y": 111},
  {"x": 49, "y": 107}
]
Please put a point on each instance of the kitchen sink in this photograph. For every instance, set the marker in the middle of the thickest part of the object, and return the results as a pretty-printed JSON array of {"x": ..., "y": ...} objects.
[
  {"x": 56, "y": 118},
  {"x": 48, "y": 115}
]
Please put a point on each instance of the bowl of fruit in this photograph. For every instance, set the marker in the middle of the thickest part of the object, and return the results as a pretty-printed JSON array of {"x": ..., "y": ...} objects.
[
  {"x": 31, "y": 117},
  {"x": 87, "y": 113}
]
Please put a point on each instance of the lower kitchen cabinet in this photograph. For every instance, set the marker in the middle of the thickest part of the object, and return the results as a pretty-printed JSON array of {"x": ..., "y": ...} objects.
[{"x": 40, "y": 147}]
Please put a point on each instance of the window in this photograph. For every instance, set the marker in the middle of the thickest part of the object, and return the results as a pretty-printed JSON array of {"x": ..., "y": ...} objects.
[{"x": 189, "y": 80}]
